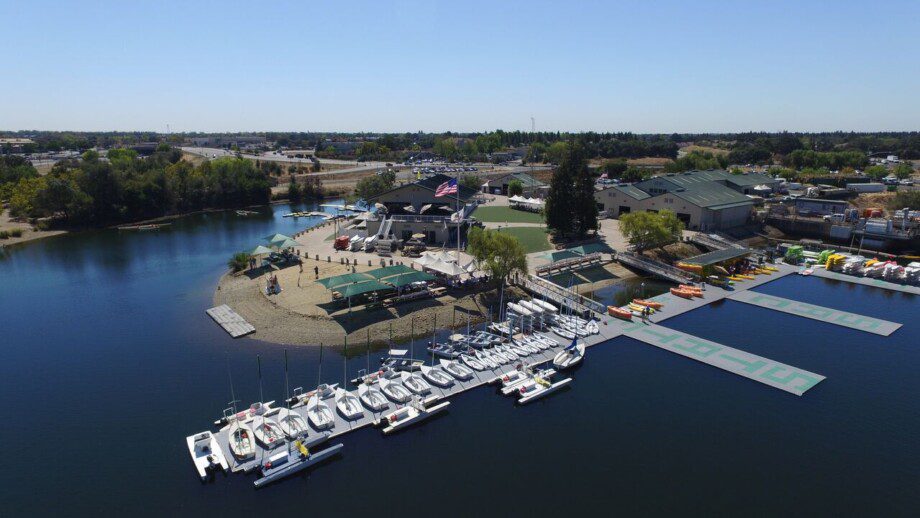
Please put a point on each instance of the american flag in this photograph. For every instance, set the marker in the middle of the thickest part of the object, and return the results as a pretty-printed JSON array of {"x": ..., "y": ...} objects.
[{"x": 448, "y": 187}]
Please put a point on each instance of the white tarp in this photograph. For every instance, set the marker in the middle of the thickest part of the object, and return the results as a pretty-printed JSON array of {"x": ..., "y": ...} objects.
[{"x": 449, "y": 269}]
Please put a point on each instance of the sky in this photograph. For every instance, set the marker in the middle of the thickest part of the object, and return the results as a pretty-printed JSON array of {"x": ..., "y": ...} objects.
[{"x": 645, "y": 66}]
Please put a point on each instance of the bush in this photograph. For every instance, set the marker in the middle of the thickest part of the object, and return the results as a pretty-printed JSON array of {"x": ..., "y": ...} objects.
[
  {"x": 515, "y": 188},
  {"x": 239, "y": 261}
]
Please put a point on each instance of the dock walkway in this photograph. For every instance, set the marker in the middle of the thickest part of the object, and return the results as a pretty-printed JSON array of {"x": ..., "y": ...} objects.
[
  {"x": 230, "y": 321},
  {"x": 829, "y": 315}
]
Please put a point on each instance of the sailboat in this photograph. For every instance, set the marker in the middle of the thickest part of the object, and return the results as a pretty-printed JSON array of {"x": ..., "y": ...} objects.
[
  {"x": 416, "y": 384},
  {"x": 269, "y": 433},
  {"x": 372, "y": 398},
  {"x": 472, "y": 362},
  {"x": 242, "y": 441},
  {"x": 291, "y": 423},
  {"x": 395, "y": 391},
  {"x": 319, "y": 414},
  {"x": 436, "y": 376},
  {"x": 570, "y": 356},
  {"x": 348, "y": 404},
  {"x": 456, "y": 370}
]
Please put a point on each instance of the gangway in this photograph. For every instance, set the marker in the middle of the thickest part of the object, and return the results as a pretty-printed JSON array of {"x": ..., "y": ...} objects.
[{"x": 655, "y": 268}]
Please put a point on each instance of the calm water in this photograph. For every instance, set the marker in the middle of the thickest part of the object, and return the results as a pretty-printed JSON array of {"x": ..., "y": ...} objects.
[{"x": 109, "y": 361}]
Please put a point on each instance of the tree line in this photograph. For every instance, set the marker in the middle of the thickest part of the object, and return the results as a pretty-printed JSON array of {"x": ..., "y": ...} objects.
[{"x": 123, "y": 187}]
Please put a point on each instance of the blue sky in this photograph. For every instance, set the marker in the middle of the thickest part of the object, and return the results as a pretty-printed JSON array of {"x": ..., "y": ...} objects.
[{"x": 465, "y": 66}]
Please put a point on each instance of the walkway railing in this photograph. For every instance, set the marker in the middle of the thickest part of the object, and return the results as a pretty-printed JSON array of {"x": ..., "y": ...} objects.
[
  {"x": 552, "y": 291},
  {"x": 653, "y": 267},
  {"x": 571, "y": 263}
]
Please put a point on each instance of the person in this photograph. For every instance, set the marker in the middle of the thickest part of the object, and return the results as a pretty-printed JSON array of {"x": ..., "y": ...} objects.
[
  {"x": 316, "y": 271},
  {"x": 301, "y": 267}
]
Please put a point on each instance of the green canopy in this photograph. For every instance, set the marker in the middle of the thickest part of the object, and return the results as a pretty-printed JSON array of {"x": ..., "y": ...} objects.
[
  {"x": 277, "y": 238},
  {"x": 590, "y": 248},
  {"x": 404, "y": 279},
  {"x": 348, "y": 278},
  {"x": 388, "y": 271},
  {"x": 560, "y": 255},
  {"x": 259, "y": 250},
  {"x": 362, "y": 287},
  {"x": 287, "y": 243}
]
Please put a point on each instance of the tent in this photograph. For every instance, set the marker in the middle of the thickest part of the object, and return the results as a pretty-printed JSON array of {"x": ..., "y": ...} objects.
[
  {"x": 348, "y": 278},
  {"x": 449, "y": 269},
  {"x": 425, "y": 260},
  {"x": 404, "y": 279},
  {"x": 259, "y": 250},
  {"x": 277, "y": 237},
  {"x": 362, "y": 287},
  {"x": 287, "y": 243},
  {"x": 471, "y": 267},
  {"x": 445, "y": 256}
]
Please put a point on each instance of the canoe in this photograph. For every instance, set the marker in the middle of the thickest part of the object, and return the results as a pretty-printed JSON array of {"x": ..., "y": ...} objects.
[
  {"x": 649, "y": 303},
  {"x": 681, "y": 293},
  {"x": 619, "y": 313}
]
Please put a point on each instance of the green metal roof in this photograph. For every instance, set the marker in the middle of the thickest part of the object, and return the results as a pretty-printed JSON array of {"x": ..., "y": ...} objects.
[
  {"x": 633, "y": 191},
  {"x": 363, "y": 287},
  {"x": 403, "y": 279},
  {"x": 524, "y": 178},
  {"x": 348, "y": 278},
  {"x": 718, "y": 256},
  {"x": 387, "y": 271},
  {"x": 713, "y": 195}
]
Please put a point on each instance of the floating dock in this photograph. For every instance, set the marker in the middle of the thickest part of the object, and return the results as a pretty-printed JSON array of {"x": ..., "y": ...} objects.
[
  {"x": 865, "y": 281},
  {"x": 230, "y": 321},
  {"x": 829, "y": 315},
  {"x": 772, "y": 373}
]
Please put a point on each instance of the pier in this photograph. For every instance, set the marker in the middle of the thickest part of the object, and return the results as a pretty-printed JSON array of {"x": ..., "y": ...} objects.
[
  {"x": 654, "y": 268},
  {"x": 866, "y": 281},
  {"x": 829, "y": 315}
]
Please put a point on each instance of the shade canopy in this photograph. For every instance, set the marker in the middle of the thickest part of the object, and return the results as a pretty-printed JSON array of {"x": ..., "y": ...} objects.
[
  {"x": 362, "y": 287},
  {"x": 348, "y": 278},
  {"x": 287, "y": 243},
  {"x": 449, "y": 269},
  {"x": 425, "y": 260},
  {"x": 404, "y": 279},
  {"x": 277, "y": 238},
  {"x": 388, "y": 271},
  {"x": 424, "y": 208},
  {"x": 259, "y": 250}
]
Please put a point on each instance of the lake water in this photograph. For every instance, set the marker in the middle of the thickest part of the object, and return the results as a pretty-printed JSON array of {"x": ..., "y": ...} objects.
[{"x": 109, "y": 361}]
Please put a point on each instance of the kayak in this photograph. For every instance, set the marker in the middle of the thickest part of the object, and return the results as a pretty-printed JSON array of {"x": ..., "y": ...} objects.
[
  {"x": 681, "y": 293},
  {"x": 653, "y": 305},
  {"x": 619, "y": 313}
]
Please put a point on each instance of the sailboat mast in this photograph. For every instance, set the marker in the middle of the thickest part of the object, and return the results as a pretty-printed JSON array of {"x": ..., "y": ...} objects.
[
  {"x": 434, "y": 329},
  {"x": 232, "y": 393},
  {"x": 345, "y": 364},
  {"x": 319, "y": 376},
  {"x": 261, "y": 402}
]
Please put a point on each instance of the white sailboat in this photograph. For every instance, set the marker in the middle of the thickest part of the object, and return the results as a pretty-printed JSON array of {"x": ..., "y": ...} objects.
[
  {"x": 269, "y": 433},
  {"x": 472, "y": 362},
  {"x": 348, "y": 404},
  {"x": 395, "y": 391},
  {"x": 292, "y": 424},
  {"x": 242, "y": 441},
  {"x": 436, "y": 376},
  {"x": 456, "y": 370},
  {"x": 372, "y": 398},
  {"x": 415, "y": 383},
  {"x": 570, "y": 356},
  {"x": 319, "y": 414}
]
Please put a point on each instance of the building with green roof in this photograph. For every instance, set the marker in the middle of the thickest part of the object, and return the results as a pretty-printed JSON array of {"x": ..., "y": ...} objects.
[
  {"x": 533, "y": 188},
  {"x": 703, "y": 200}
]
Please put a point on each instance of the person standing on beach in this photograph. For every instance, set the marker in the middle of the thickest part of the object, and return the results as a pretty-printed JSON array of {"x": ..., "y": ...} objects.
[{"x": 316, "y": 271}]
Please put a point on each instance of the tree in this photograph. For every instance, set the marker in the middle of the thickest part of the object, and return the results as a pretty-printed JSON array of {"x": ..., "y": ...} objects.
[
  {"x": 903, "y": 171},
  {"x": 570, "y": 205},
  {"x": 736, "y": 170},
  {"x": 785, "y": 173},
  {"x": 515, "y": 188},
  {"x": 470, "y": 181},
  {"x": 876, "y": 172},
  {"x": 646, "y": 230},
  {"x": 373, "y": 185},
  {"x": 501, "y": 255},
  {"x": 294, "y": 194},
  {"x": 239, "y": 261},
  {"x": 697, "y": 160},
  {"x": 614, "y": 168},
  {"x": 635, "y": 174}
]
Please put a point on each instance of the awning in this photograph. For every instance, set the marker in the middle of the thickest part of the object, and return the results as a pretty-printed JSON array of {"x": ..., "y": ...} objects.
[
  {"x": 718, "y": 256},
  {"x": 405, "y": 279},
  {"x": 388, "y": 271},
  {"x": 348, "y": 278},
  {"x": 287, "y": 243},
  {"x": 362, "y": 287},
  {"x": 277, "y": 237},
  {"x": 450, "y": 269},
  {"x": 259, "y": 250}
]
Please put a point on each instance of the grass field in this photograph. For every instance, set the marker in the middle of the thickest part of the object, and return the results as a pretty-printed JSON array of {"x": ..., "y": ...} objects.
[
  {"x": 534, "y": 239},
  {"x": 500, "y": 214}
]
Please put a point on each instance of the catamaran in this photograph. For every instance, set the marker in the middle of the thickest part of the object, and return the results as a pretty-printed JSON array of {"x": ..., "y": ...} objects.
[
  {"x": 319, "y": 414},
  {"x": 297, "y": 458},
  {"x": 372, "y": 398},
  {"x": 570, "y": 356},
  {"x": 456, "y": 370},
  {"x": 436, "y": 376},
  {"x": 417, "y": 410},
  {"x": 206, "y": 453},
  {"x": 515, "y": 381},
  {"x": 348, "y": 404}
]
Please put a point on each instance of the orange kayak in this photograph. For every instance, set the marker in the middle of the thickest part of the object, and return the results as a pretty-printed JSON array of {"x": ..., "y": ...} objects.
[
  {"x": 619, "y": 313},
  {"x": 653, "y": 305},
  {"x": 682, "y": 293}
]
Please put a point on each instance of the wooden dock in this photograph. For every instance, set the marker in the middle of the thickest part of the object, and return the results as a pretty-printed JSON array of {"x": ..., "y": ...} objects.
[{"x": 230, "y": 321}]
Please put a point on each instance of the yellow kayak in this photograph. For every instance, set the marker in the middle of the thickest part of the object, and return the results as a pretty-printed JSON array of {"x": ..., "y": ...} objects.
[
  {"x": 771, "y": 268},
  {"x": 735, "y": 278},
  {"x": 638, "y": 307},
  {"x": 747, "y": 277}
]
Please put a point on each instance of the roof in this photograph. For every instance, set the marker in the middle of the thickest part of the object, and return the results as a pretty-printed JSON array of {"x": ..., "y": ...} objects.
[
  {"x": 388, "y": 271},
  {"x": 632, "y": 191},
  {"x": 431, "y": 183},
  {"x": 524, "y": 178},
  {"x": 717, "y": 256},
  {"x": 363, "y": 287},
  {"x": 348, "y": 278}
]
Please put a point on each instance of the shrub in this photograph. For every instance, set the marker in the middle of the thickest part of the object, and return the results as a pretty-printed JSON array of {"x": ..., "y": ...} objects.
[{"x": 239, "y": 261}]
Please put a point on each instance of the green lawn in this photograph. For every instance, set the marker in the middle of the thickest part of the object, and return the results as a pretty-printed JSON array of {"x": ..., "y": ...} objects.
[
  {"x": 534, "y": 239},
  {"x": 499, "y": 214}
]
